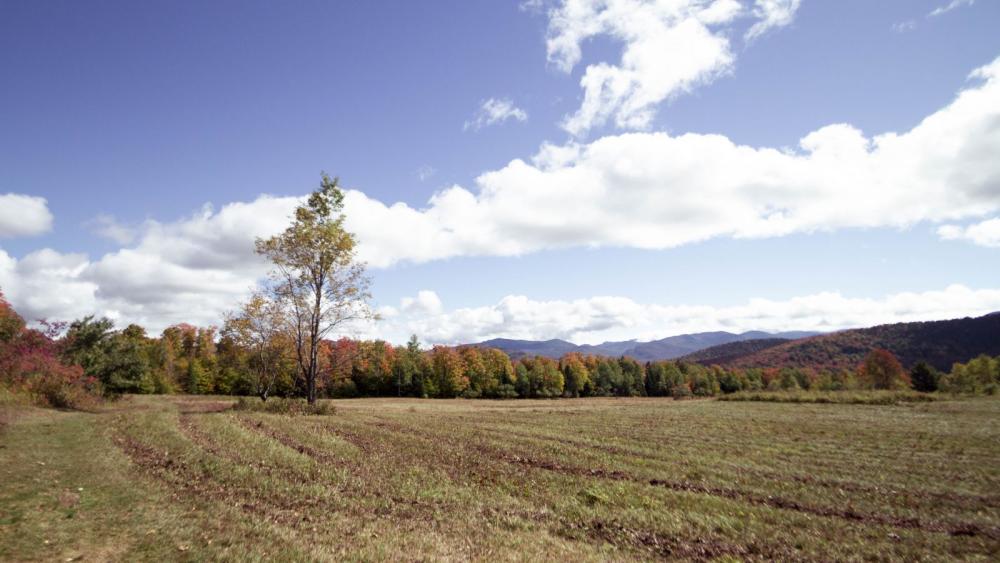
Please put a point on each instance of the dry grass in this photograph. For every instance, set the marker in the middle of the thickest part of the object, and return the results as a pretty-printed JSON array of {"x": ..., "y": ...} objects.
[
  {"x": 185, "y": 477},
  {"x": 837, "y": 397}
]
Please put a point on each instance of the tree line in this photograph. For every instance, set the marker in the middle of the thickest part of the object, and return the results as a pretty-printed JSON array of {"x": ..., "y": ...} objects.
[{"x": 89, "y": 356}]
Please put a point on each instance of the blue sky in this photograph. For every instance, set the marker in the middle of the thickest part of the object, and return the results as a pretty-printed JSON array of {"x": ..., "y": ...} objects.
[{"x": 129, "y": 118}]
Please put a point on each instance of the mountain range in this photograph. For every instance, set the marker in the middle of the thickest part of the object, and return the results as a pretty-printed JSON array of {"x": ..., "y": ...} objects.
[
  {"x": 664, "y": 349},
  {"x": 939, "y": 343}
]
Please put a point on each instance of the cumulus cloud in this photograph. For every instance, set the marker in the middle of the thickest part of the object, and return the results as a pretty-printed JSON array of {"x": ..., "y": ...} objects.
[
  {"x": 669, "y": 48},
  {"x": 23, "y": 215},
  {"x": 771, "y": 14},
  {"x": 985, "y": 233},
  {"x": 46, "y": 284},
  {"x": 108, "y": 227},
  {"x": 656, "y": 190},
  {"x": 190, "y": 270},
  {"x": 493, "y": 111},
  {"x": 599, "y": 319},
  {"x": 944, "y": 9},
  {"x": 426, "y": 302}
]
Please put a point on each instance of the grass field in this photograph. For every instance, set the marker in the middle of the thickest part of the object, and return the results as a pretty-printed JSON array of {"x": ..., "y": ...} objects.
[{"x": 170, "y": 478}]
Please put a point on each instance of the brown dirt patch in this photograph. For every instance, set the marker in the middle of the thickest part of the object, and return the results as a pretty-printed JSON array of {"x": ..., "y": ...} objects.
[
  {"x": 964, "y": 501},
  {"x": 697, "y": 549},
  {"x": 954, "y": 529},
  {"x": 289, "y": 442}
]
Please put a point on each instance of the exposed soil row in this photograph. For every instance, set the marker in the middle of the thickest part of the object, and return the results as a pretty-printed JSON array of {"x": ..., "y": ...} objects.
[
  {"x": 205, "y": 442},
  {"x": 954, "y": 529},
  {"x": 637, "y": 539},
  {"x": 452, "y": 456},
  {"x": 700, "y": 549},
  {"x": 468, "y": 462},
  {"x": 827, "y": 455},
  {"x": 194, "y": 483},
  {"x": 289, "y": 442},
  {"x": 363, "y": 484},
  {"x": 964, "y": 501},
  {"x": 366, "y": 444}
]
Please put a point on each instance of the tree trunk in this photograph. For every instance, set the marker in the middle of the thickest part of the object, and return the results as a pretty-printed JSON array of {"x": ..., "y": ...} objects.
[
  {"x": 313, "y": 367},
  {"x": 314, "y": 341},
  {"x": 311, "y": 372}
]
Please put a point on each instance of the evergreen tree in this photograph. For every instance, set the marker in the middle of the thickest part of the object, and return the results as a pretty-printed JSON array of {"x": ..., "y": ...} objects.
[{"x": 924, "y": 378}]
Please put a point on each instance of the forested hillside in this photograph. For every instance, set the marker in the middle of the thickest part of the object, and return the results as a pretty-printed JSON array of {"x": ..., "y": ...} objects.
[
  {"x": 733, "y": 350},
  {"x": 939, "y": 343}
]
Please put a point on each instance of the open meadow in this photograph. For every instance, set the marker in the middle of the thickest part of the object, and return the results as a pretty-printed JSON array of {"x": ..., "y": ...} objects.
[{"x": 154, "y": 477}]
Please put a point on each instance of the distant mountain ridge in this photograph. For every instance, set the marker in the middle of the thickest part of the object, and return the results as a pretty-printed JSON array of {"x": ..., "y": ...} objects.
[
  {"x": 939, "y": 343},
  {"x": 664, "y": 349}
]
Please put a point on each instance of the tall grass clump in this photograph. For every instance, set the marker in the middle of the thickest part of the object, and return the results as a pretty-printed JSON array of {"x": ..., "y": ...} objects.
[{"x": 281, "y": 405}]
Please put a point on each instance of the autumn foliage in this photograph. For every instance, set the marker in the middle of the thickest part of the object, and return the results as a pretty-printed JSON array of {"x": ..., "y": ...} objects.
[
  {"x": 937, "y": 343},
  {"x": 71, "y": 365},
  {"x": 30, "y": 363},
  {"x": 881, "y": 370}
]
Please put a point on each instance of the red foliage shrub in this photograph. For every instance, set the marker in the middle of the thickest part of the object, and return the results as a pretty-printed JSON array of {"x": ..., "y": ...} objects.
[
  {"x": 882, "y": 370},
  {"x": 29, "y": 363}
]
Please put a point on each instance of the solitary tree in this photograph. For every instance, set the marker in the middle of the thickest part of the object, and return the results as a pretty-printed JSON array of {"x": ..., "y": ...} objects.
[{"x": 316, "y": 276}]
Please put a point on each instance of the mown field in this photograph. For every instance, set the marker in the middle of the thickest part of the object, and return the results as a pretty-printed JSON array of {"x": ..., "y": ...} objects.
[{"x": 166, "y": 478}]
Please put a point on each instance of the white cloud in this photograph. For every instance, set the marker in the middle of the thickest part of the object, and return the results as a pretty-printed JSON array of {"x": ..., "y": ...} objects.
[
  {"x": 47, "y": 285},
  {"x": 904, "y": 26},
  {"x": 771, "y": 14},
  {"x": 985, "y": 233},
  {"x": 190, "y": 270},
  {"x": 108, "y": 227},
  {"x": 425, "y": 172},
  {"x": 600, "y": 319},
  {"x": 641, "y": 190},
  {"x": 426, "y": 302},
  {"x": 531, "y": 5},
  {"x": 655, "y": 191},
  {"x": 493, "y": 111},
  {"x": 944, "y": 9},
  {"x": 669, "y": 48},
  {"x": 23, "y": 215}
]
